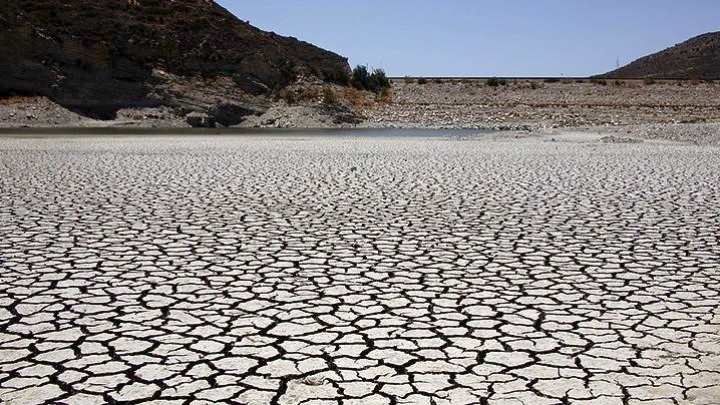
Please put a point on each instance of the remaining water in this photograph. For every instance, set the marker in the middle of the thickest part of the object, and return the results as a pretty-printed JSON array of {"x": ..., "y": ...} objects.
[{"x": 365, "y": 133}]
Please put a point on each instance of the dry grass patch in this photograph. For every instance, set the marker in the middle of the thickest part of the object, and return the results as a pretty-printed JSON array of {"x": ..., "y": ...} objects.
[
  {"x": 358, "y": 98},
  {"x": 385, "y": 97},
  {"x": 15, "y": 100},
  {"x": 297, "y": 95}
]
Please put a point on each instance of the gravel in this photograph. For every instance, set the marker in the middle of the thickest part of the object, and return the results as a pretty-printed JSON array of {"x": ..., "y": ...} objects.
[
  {"x": 539, "y": 105},
  {"x": 688, "y": 112},
  {"x": 695, "y": 133}
]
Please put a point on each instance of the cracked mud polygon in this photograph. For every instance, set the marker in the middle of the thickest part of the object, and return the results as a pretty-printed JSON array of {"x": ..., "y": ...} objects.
[{"x": 264, "y": 270}]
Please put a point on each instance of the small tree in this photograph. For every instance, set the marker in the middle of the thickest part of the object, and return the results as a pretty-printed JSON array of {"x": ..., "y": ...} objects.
[
  {"x": 362, "y": 79},
  {"x": 379, "y": 81}
]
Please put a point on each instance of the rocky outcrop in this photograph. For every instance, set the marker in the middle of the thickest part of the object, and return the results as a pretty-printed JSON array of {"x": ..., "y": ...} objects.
[
  {"x": 695, "y": 59},
  {"x": 229, "y": 114},
  {"x": 199, "y": 120},
  {"x": 193, "y": 55}
]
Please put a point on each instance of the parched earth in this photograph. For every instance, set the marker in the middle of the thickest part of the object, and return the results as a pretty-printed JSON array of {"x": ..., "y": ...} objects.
[
  {"x": 469, "y": 103},
  {"x": 358, "y": 271}
]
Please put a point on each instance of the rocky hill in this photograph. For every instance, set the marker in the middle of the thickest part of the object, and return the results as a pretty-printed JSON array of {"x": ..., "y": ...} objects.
[
  {"x": 96, "y": 57},
  {"x": 695, "y": 59}
]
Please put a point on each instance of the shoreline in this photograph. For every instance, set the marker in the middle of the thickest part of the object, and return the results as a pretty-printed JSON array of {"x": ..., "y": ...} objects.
[
  {"x": 681, "y": 111},
  {"x": 699, "y": 134}
]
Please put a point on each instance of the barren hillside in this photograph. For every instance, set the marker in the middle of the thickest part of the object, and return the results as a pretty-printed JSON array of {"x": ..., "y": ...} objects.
[
  {"x": 98, "y": 57},
  {"x": 695, "y": 59}
]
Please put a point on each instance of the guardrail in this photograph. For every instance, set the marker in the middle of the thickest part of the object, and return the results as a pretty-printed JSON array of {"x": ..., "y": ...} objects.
[{"x": 554, "y": 79}]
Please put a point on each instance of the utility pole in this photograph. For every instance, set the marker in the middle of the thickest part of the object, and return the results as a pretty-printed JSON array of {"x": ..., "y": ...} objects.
[{"x": 617, "y": 62}]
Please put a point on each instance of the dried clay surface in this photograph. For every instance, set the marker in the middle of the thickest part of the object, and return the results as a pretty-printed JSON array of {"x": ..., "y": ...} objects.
[{"x": 260, "y": 270}]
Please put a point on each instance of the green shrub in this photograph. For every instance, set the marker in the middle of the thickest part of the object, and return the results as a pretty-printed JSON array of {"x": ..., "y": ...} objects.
[
  {"x": 338, "y": 77},
  {"x": 649, "y": 81},
  {"x": 599, "y": 82},
  {"x": 495, "y": 82},
  {"x": 552, "y": 80},
  {"x": 422, "y": 80},
  {"x": 362, "y": 79},
  {"x": 329, "y": 97},
  {"x": 379, "y": 81}
]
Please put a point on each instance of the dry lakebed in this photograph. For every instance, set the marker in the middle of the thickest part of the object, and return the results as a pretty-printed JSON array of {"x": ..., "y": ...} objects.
[{"x": 527, "y": 269}]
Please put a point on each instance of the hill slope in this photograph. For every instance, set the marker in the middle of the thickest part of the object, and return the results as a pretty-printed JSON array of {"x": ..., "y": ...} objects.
[
  {"x": 697, "y": 58},
  {"x": 97, "y": 57}
]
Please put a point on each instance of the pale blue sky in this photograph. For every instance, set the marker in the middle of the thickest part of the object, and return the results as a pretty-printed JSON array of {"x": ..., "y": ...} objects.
[{"x": 483, "y": 37}]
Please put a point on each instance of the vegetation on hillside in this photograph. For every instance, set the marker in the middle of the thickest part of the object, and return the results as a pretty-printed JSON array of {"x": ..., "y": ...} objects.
[
  {"x": 495, "y": 82},
  {"x": 363, "y": 79}
]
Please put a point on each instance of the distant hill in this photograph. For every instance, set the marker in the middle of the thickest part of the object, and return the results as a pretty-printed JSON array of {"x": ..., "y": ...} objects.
[
  {"x": 697, "y": 58},
  {"x": 96, "y": 57}
]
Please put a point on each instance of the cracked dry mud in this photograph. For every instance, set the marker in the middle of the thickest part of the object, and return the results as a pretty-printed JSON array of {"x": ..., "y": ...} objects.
[{"x": 358, "y": 271}]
